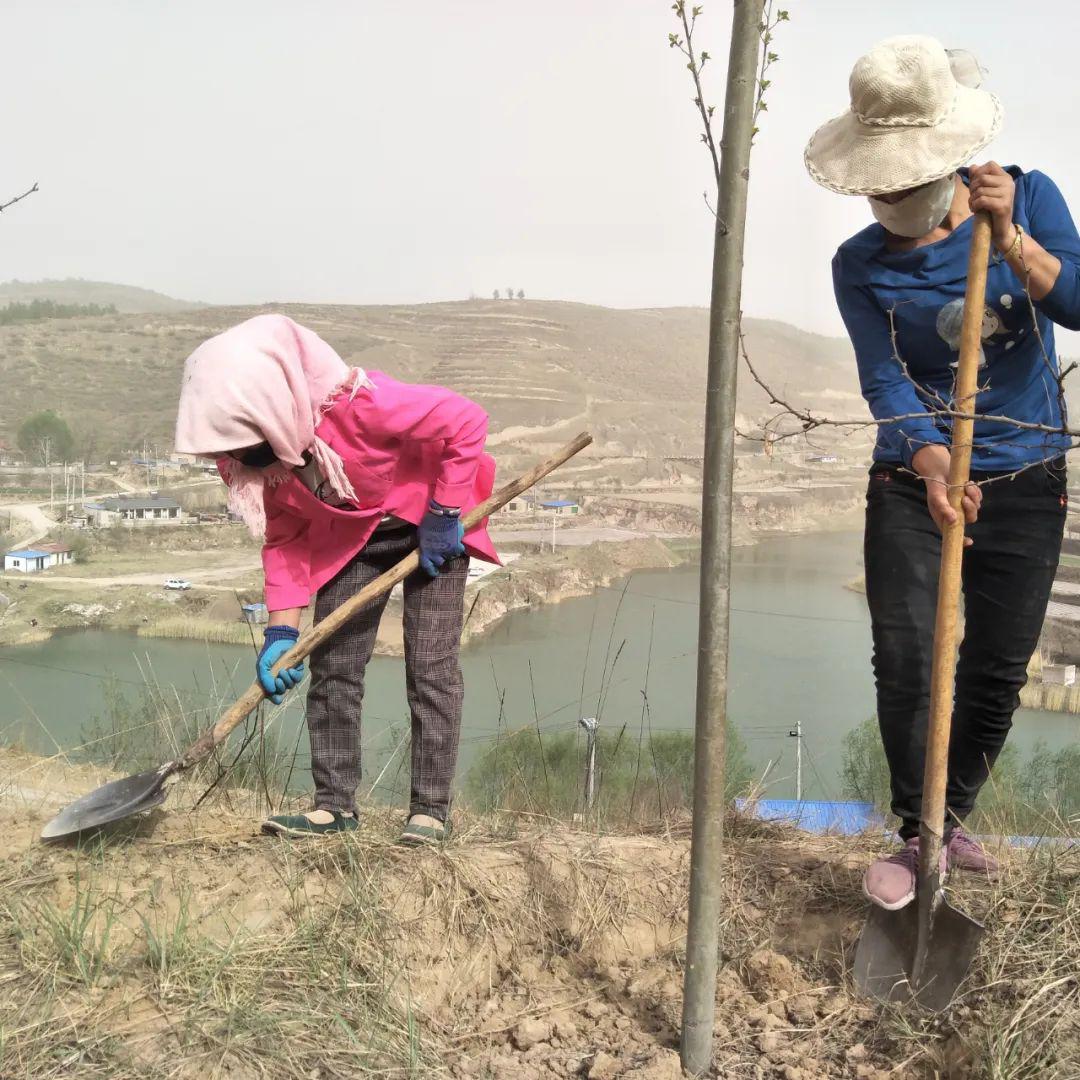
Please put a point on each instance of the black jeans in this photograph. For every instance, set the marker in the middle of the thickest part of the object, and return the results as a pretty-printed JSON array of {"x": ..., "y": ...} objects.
[{"x": 1007, "y": 576}]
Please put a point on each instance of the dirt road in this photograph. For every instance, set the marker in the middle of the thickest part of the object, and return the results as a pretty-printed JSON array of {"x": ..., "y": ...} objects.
[
  {"x": 199, "y": 577},
  {"x": 34, "y": 523}
]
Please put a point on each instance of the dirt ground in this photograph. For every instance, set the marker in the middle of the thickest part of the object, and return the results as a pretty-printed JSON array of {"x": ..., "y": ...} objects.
[{"x": 189, "y": 946}]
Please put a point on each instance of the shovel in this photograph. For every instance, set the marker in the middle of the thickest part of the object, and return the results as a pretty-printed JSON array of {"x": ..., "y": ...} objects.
[
  {"x": 924, "y": 950},
  {"x": 134, "y": 794}
]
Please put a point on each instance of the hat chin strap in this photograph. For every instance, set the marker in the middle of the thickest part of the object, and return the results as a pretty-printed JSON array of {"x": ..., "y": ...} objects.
[{"x": 918, "y": 213}]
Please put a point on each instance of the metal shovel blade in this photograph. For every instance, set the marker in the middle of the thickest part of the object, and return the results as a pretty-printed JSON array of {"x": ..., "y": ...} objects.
[
  {"x": 885, "y": 955},
  {"x": 110, "y": 802}
]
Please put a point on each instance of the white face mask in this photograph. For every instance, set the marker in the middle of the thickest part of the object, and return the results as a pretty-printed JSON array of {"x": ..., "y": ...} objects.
[{"x": 918, "y": 213}]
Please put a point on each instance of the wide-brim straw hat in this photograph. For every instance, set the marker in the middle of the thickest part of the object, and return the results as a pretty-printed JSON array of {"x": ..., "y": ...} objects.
[{"x": 917, "y": 114}]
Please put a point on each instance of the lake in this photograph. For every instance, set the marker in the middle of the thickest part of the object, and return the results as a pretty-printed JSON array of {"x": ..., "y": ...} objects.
[{"x": 800, "y": 648}]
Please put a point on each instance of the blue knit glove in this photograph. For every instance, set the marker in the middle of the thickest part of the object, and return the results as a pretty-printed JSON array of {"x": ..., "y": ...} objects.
[
  {"x": 277, "y": 641},
  {"x": 441, "y": 534}
]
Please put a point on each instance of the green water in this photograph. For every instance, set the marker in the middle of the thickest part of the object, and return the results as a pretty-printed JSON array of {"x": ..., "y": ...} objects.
[{"x": 800, "y": 647}]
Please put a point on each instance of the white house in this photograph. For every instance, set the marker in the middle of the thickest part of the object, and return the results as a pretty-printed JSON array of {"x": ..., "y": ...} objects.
[
  {"x": 61, "y": 553},
  {"x": 523, "y": 504},
  {"x": 27, "y": 561},
  {"x": 34, "y": 560},
  {"x": 1059, "y": 674}
]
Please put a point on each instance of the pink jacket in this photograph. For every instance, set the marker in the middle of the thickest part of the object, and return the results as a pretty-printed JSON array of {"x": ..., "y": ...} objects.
[{"x": 402, "y": 445}]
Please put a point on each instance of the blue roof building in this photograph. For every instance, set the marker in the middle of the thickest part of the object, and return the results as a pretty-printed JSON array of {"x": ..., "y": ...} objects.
[
  {"x": 560, "y": 506},
  {"x": 28, "y": 560}
]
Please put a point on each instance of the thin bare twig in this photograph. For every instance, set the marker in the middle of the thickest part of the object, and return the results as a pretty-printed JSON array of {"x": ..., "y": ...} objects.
[
  {"x": 809, "y": 420},
  {"x": 932, "y": 396},
  {"x": 18, "y": 198}
]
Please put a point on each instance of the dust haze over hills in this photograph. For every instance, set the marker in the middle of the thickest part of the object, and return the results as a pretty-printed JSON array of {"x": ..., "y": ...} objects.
[{"x": 544, "y": 370}]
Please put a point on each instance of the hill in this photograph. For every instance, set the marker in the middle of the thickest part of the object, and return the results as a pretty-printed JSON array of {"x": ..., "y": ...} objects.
[
  {"x": 127, "y": 299},
  {"x": 544, "y": 370}
]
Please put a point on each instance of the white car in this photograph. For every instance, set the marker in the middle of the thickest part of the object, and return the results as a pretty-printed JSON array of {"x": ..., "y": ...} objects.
[{"x": 177, "y": 583}]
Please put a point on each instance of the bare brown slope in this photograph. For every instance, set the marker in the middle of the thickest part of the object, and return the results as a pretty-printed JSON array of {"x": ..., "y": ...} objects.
[{"x": 543, "y": 369}]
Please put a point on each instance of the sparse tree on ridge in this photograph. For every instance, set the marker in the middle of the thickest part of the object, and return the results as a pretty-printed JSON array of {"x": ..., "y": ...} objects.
[
  {"x": 521, "y": 294},
  {"x": 509, "y": 294},
  {"x": 495, "y": 295}
]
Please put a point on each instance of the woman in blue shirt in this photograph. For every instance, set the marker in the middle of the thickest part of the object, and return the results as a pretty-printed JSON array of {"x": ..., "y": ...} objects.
[{"x": 917, "y": 116}]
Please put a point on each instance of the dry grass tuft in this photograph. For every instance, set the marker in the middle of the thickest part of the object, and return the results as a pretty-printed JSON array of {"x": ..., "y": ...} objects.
[{"x": 189, "y": 946}]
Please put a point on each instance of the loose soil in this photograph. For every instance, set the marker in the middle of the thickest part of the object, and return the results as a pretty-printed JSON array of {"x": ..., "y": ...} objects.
[{"x": 524, "y": 949}]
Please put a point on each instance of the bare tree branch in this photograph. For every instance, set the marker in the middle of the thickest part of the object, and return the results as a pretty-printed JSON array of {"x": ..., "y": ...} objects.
[
  {"x": 808, "y": 420},
  {"x": 932, "y": 397},
  {"x": 18, "y": 198}
]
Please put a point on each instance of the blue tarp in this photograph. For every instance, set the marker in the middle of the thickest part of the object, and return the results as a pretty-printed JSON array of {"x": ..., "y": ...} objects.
[
  {"x": 849, "y": 818},
  {"x": 816, "y": 816}
]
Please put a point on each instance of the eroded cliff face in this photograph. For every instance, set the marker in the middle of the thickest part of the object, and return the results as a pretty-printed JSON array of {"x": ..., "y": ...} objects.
[
  {"x": 756, "y": 513},
  {"x": 547, "y": 579}
]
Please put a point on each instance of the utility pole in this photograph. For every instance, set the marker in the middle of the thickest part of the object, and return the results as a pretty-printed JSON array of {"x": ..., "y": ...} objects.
[
  {"x": 706, "y": 847},
  {"x": 47, "y": 446},
  {"x": 797, "y": 736},
  {"x": 589, "y": 723}
]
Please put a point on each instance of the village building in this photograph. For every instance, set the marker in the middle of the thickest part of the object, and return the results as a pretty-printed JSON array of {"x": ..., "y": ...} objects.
[
  {"x": 134, "y": 510},
  {"x": 11, "y": 455},
  {"x": 42, "y": 557},
  {"x": 523, "y": 504},
  {"x": 1059, "y": 674},
  {"x": 256, "y": 614},
  {"x": 26, "y": 561},
  {"x": 561, "y": 506},
  {"x": 61, "y": 553}
]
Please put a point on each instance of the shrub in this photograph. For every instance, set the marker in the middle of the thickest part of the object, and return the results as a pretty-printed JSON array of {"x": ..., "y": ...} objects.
[
  {"x": 637, "y": 780},
  {"x": 49, "y": 309},
  {"x": 1035, "y": 796}
]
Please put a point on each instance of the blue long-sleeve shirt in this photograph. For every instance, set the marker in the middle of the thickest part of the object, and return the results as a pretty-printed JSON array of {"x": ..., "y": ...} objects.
[{"x": 924, "y": 290}]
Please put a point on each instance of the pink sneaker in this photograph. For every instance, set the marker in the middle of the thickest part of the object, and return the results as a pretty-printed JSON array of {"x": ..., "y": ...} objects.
[
  {"x": 890, "y": 881},
  {"x": 966, "y": 853}
]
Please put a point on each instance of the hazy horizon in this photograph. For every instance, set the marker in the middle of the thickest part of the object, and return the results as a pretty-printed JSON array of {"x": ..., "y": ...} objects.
[{"x": 339, "y": 153}]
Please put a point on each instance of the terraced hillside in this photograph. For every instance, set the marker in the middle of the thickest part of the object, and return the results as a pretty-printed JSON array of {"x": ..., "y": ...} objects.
[{"x": 544, "y": 370}]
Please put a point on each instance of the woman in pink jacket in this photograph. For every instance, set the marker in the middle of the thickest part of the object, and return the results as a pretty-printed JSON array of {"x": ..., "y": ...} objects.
[{"x": 343, "y": 473}]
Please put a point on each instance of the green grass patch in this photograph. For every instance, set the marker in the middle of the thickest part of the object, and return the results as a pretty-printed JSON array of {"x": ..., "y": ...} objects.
[
  {"x": 639, "y": 778},
  {"x": 1036, "y": 795}
]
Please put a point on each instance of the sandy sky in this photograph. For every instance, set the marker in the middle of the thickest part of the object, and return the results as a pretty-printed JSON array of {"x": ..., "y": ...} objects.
[{"x": 373, "y": 151}]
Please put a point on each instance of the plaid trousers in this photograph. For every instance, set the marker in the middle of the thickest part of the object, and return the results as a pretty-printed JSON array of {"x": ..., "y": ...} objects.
[{"x": 433, "y": 683}]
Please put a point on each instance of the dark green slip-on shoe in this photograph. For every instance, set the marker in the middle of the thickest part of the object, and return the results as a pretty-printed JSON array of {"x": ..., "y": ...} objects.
[
  {"x": 302, "y": 825},
  {"x": 423, "y": 829}
]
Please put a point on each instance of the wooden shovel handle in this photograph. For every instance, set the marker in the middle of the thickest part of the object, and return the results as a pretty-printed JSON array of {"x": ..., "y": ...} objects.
[
  {"x": 310, "y": 641},
  {"x": 943, "y": 669}
]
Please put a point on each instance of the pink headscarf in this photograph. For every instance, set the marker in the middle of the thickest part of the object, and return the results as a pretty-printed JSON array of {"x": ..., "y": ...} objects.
[{"x": 267, "y": 380}]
